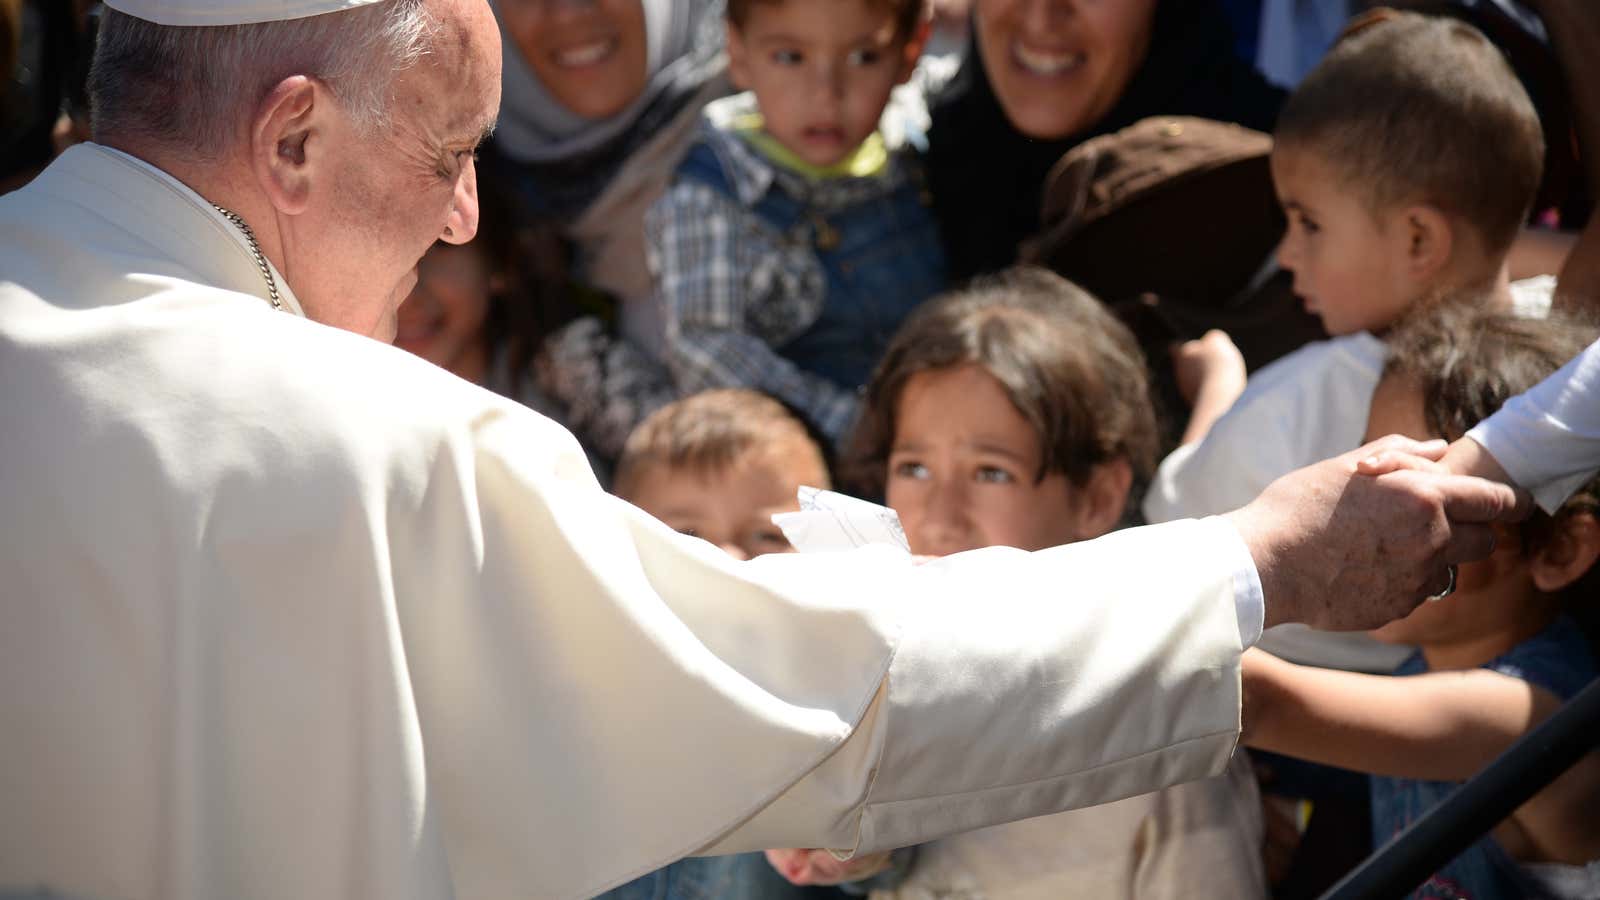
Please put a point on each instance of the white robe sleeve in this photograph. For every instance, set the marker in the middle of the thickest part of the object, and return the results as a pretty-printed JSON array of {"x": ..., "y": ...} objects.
[
  {"x": 1548, "y": 440},
  {"x": 616, "y": 695},
  {"x": 290, "y": 613}
]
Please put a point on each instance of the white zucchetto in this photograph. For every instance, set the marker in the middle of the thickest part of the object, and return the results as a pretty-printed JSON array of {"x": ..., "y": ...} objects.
[{"x": 228, "y": 12}]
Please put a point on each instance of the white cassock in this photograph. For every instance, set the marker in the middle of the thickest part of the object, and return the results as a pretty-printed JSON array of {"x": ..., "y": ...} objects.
[{"x": 290, "y": 613}]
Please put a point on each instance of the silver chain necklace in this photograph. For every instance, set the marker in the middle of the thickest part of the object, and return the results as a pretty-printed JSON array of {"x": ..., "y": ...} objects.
[{"x": 255, "y": 251}]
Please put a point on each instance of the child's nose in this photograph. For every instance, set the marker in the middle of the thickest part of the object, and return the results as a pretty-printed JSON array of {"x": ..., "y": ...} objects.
[
  {"x": 945, "y": 515},
  {"x": 828, "y": 82},
  {"x": 1288, "y": 253}
]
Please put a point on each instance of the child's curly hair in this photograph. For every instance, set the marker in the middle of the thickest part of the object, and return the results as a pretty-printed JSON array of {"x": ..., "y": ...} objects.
[{"x": 1466, "y": 361}]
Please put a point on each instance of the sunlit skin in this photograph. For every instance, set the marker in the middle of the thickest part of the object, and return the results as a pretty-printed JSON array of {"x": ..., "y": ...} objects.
[
  {"x": 442, "y": 320},
  {"x": 345, "y": 214},
  {"x": 1349, "y": 263},
  {"x": 592, "y": 57},
  {"x": 1058, "y": 66},
  {"x": 1498, "y": 602},
  {"x": 732, "y": 507},
  {"x": 821, "y": 70},
  {"x": 963, "y": 472}
]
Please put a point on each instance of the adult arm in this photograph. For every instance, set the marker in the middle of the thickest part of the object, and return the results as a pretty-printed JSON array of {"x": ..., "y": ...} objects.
[
  {"x": 1546, "y": 441},
  {"x": 703, "y": 257}
]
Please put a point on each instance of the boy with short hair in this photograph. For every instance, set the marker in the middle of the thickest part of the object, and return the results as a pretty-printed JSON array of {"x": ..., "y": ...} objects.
[
  {"x": 796, "y": 235},
  {"x": 718, "y": 465},
  {"x": 1406, "y": 163}
]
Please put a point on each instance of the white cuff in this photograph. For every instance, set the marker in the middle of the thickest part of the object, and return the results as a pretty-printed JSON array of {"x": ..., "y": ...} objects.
[{"x": 1249, "y": 602}]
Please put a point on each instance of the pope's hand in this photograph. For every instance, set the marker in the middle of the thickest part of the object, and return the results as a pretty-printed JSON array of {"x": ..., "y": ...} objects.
[
  {"x": 805, "y": 867},
  {"x": 1465, "y": 457},
  {"x": 1345, "y": 551}
]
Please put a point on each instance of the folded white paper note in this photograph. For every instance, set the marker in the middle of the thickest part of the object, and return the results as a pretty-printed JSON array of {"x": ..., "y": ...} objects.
[{"x": 830, "y": 521}]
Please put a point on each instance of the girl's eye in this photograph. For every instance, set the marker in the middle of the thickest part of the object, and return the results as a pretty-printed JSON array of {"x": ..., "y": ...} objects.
[
  {"x": 689, "y": 530},
  {"x": 865, "y": 57},
  {"x": 787, "y": 57},
  {"x": 1306, "y": 224},
  {"x": 910, "y": 469},
  {"x": 992, "y": 475},
  {"x": 774, "y": 539}
]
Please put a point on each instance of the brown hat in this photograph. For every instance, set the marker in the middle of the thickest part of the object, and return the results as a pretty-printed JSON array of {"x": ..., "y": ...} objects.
[
  {"x": 1176, "y": 206},
  {"x": 1104, "y": 175}
]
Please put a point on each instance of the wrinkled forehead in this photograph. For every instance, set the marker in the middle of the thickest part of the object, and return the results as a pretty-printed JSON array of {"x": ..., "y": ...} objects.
[{"x": 461, "y": 74}]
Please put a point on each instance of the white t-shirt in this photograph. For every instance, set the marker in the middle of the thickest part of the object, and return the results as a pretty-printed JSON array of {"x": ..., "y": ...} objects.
[{"x": 1306, "y": 407}]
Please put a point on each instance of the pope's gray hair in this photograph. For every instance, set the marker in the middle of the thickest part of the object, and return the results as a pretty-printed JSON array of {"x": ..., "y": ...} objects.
[{"x": 191, "y": 89}]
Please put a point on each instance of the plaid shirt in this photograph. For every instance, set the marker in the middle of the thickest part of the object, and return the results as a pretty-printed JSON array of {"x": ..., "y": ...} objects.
[{"x": 733, "y": 287}]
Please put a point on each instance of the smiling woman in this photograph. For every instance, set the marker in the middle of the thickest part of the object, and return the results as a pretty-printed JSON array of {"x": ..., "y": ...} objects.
[
  {"x": 1042, "y": 76},
  {"x": 600, "y": 102}
]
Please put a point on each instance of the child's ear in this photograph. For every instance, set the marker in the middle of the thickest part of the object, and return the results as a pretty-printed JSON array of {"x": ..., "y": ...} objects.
[
  {"x": 911, "y": 53},
  {"x": 1572, "y": 550},
  {"x": 1103, "y": 498},
  {"x": 1429, "y": 241},
  {"x": 738, "y": 58}
]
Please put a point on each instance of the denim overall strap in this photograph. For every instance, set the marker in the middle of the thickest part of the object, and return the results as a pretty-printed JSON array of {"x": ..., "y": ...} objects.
[
  {"x": 882, "y": 258},
  {"x": 702, "y": 165}
]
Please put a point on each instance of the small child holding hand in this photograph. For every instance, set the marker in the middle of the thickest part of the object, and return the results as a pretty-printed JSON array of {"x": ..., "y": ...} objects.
[{"x": 1494, "y": 658}]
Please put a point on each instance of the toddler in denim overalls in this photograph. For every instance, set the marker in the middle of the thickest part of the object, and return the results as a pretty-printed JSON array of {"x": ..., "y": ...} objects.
[{"x": 796, "y": 235}]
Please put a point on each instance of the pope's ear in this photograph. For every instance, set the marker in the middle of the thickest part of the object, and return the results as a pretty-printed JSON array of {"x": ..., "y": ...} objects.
[{"x": 283, "y": 141}]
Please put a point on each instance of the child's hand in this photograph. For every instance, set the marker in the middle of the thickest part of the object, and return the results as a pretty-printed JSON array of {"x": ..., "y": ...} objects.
[
  {"x": 1210, "y": 373},
  {"x": 805, "y": 867},
  {"x": 1464, "y": 457},
  {"x": 1210, "y": 364}
]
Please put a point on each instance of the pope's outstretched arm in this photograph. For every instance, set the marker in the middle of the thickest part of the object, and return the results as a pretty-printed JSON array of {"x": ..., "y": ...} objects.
[{"x": 631, "y": 696}]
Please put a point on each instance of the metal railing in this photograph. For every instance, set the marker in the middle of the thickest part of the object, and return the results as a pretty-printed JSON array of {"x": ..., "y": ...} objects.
[{"x": 1481, "y": 803}]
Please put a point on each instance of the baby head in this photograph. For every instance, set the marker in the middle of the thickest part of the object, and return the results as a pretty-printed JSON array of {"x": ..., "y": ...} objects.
[
  {"x": 822, "y": 70},
  {"x": 1015, "y": 412},
  {"x": 1446, "y": 372},
  {"x": 1405, "y": 162},
  {"x": 718, "y": 464}
]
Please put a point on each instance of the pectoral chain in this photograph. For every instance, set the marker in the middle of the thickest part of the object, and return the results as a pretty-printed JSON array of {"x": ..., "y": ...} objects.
[{"x": 255, "y": 251}]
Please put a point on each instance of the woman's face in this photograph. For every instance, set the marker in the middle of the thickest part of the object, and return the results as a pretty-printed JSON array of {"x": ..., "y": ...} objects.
[
  {"x": 591, "y": 55},
  {"x": 1058, "y": 66}
]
